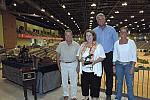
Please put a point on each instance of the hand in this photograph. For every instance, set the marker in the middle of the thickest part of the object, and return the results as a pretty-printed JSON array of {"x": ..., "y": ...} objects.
[
  {"x": 81, "y": 60},
  {"x": 132, "y": 70},
  {"x": 114, "y": 69},
  {"x": 59, "y": 68},
  {"x": 93, "y": 63},
  {"x": 78, "y": 69}
]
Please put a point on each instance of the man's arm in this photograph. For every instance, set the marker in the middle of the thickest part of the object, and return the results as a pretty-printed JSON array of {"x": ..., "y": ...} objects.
[{"x": 58, "y": 60}]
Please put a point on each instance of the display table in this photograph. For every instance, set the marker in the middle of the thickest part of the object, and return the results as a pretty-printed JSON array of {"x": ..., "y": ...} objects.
[{"x": 48, "y": 75}]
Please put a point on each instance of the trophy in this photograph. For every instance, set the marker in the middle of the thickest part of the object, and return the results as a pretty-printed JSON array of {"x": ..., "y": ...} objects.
[{"x": 88, "y": 57}]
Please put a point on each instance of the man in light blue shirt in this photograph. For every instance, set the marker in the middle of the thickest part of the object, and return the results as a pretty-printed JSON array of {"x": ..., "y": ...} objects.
[{"x": 106, "y": 36}]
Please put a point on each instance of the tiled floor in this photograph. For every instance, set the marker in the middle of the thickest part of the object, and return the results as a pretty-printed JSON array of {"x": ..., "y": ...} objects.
[{"x": 11, "y": 91}]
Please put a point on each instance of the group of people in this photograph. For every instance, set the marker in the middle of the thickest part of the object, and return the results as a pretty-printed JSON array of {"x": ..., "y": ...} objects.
[{"x": 100, "y": 50}]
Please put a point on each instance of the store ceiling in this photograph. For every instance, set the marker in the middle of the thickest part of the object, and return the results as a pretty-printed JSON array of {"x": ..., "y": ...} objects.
[{"x": 79, "y": 15}]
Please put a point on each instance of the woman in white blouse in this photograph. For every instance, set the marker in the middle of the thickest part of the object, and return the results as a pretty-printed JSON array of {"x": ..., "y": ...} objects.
[
  {"x": 124, "y": 58},
  {"x": 90, "y": 56}
]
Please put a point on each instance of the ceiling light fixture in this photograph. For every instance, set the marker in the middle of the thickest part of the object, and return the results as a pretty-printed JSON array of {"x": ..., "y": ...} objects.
[
  {"x": 112, "y": 17},
  {"x": 91, "y": 17},
  {"x": 143, "y": 24},
  {"x": 14, "y": 4},
  {"x": 93, "y": 5},
  {"x": 135, "y": 22},
  {"x": 108, "y": 20},
  {"x": 141, "y": 11},
  {"x": 43, "y": 10},
  {"x": 52, "y": 16},
  {"x": 92, "y": 12},
  {"x": 64, "y": 6},
  {"x": 68, "y": 13},
  {"x": 142, "y": 20},
  {"x": 91, "y": 20},
  {"x": 124, "y": 4},
  {"x": 116, "y": 12},
  {"x": 132, "y": 16},
  {"x": 130, "y": 24},
  {"x": 125, "y": 20}
]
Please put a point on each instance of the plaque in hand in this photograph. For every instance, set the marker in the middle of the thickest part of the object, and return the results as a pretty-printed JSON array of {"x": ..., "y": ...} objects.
[{"x": 87, "y": 62}]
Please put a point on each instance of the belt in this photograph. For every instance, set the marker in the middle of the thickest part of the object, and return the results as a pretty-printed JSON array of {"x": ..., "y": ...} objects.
[
  {"x": 124, "y": 63},
  {"x": 68, "y": 61}
]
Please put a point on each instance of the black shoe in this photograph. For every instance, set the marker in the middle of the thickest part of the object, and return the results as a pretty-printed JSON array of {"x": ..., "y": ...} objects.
[{"x": 108, "y": 97}]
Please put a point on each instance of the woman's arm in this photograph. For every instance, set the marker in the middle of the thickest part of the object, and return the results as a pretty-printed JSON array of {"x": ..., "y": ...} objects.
[{"x": 97, "y": 60}]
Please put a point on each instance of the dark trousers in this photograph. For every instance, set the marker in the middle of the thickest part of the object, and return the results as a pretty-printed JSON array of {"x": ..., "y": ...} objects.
[
  {"x": 108, "y": 68},
  {"x": 91, "y": 82}
]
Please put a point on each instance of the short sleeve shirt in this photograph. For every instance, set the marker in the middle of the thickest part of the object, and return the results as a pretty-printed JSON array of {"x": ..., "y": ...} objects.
[{"x": 67, "y": 52}]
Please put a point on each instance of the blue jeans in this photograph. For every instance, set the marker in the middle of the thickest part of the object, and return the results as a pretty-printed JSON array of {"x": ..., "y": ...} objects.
[{"x": 121, "y": 71}]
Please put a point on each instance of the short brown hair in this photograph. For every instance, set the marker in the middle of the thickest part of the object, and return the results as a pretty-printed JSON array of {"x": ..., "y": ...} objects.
[
  {"x": 91, "y": 31},
  {"x": 124, "y": 28}
]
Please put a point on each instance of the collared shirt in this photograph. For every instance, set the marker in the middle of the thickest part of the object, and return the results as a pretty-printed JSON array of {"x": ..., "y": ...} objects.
[
  {"x": 106, "y": 36},
  {"x": 67, "y": 52},
  {"x": 125, "y": 52}
]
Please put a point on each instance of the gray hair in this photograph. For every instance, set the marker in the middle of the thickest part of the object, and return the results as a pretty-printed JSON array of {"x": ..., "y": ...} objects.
[
  {"x": 100, "y": 14},
  {"x": 68, "y": 30}
]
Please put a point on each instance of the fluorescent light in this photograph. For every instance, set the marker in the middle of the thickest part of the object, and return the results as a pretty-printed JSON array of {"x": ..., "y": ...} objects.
[
  {"x": 108, "y": 20},
  {"x": 124, "y": 4},
  {"x": 91, "y": 20},
  {"x": 68, "y": 13},
  {"x": 132, "y": 16},
  {"x": 135, "y": 22},
  {"x": 43, "y": 10},
  {"x": 52, "y": 16},
  {"x": 125, "y": 20},
  {"x": 111, "y": 16},
  {"x": 91, "y": 17},
  {"x": 142, "y": 19},
  {"x": 141, "y": 11},
  {"x": 14, "y": 4},
  {"x": 93, "y": 5},
  {"x": 92, "y": 12},
  {"x": 116, "y": 12},
  {"x": 64, "y": 6}
]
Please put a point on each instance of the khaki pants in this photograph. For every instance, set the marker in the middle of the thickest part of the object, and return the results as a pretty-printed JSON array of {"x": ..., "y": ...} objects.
[{"x": 69, "y": 69}]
